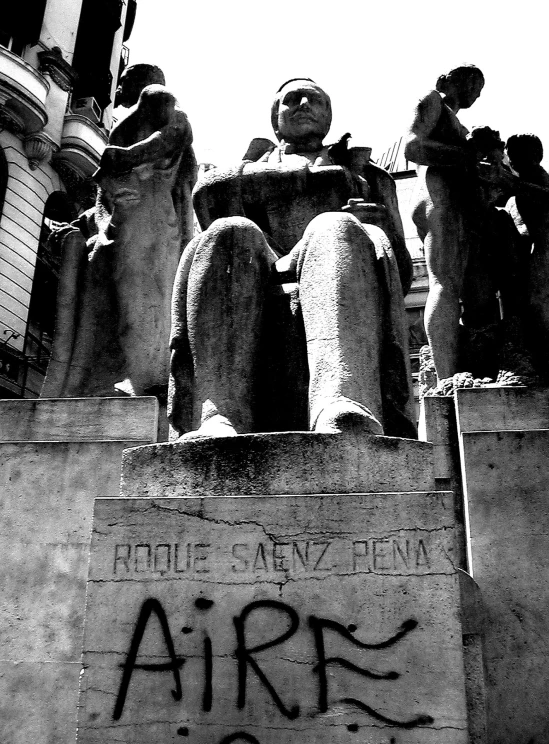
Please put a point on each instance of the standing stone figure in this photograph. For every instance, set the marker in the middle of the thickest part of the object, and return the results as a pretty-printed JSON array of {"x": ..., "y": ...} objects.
[
  {"x": 530, "y": 209},
  {"x": 313, "y": 215},
  {"x": 115, "y": 289},
  {"x": 447, "y": 210}
]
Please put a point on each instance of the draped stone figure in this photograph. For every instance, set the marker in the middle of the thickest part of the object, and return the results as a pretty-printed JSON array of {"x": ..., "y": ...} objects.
[
  {"x": 288, "y": 309},
  {"x": 120, "y": 259}
]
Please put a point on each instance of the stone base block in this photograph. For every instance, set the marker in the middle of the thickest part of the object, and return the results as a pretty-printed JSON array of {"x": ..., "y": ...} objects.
[
  {"x": 291, "y": 462},
  {"x": 273, "y": 619},
  {"x": 506, "y": 475},
  {"x": 502, "y": 409},
  {"x": 79, "y": 419},
  {"x": 47, "y": 492}
]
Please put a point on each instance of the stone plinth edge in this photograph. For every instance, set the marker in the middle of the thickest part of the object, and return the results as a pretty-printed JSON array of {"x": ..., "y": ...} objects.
[
  {"x": 280, "y": 463},
  {"x": 79, "y": 419}
]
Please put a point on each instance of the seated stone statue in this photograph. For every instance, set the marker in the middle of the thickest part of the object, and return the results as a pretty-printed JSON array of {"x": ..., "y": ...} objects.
[
  {"x": 326, "y": 220},
  {"x": 120, "y": 259}
]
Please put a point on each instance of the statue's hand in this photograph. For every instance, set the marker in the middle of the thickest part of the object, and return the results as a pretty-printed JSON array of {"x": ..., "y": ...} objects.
[{"x": 368, "y": 212}]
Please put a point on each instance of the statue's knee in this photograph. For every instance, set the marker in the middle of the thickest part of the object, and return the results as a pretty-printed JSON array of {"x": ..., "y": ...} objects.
[
  {"x": 231, "y": 226},
  {"x": 339, "y": 223},
  {"x": 341, "y": 233},
  {"x": 234, "y": 242}
]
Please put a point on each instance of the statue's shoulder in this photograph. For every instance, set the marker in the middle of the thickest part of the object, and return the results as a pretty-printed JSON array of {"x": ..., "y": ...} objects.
[{"x": 216, "y": 186}]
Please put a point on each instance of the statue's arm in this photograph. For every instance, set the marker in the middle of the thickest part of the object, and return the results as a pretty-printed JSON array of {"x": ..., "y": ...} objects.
[
  {"x": 421, "y": 148},
  {"x": 236, "y": 191},
  {"x": 218, "y": 194},
  {"x": 163, "y": 143}
]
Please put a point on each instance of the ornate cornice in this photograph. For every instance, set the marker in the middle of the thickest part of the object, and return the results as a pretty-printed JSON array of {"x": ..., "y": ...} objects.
[{"x": 53, "y": 64}]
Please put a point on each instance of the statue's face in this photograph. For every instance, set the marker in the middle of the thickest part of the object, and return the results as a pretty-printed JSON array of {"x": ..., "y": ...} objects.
[
  {"x": 304, "y": 110},
  {"x": 131, "y": 84},
  {"x": 128, "y": 91}
]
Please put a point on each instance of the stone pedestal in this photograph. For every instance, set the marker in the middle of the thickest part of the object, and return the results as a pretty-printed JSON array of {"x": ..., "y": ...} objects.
[
  {"x": 57, "y": 456},
  {"x": 504, "y": 442},
  {"x": 273, "y": 589}
]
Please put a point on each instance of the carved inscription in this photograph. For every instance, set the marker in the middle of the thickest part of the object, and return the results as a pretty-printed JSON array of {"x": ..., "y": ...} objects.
[{"x": 368, "y": 555}]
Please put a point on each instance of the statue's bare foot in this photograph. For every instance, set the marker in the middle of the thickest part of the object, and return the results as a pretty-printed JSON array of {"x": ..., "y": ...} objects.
[
  {"x": 215, "y": 426},
  {"x": 346, "y": 416}
]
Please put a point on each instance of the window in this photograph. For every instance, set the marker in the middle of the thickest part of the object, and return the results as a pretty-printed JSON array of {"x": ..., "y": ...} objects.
[
  {"x": 98, "y": 24},
  {"x": 21, "y": 24}
]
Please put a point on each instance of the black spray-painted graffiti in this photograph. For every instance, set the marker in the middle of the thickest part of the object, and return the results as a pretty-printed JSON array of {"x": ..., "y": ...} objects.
[{"x": 246, "y": 660}]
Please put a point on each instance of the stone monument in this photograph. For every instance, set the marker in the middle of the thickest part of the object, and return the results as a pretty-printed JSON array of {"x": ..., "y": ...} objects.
[
  {"x": 120, "y": 259},
  {"x": 275, "y": 586}
]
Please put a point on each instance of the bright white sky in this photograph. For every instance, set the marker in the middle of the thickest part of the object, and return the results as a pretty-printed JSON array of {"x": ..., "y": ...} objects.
[{"x": 225, "y": 59}]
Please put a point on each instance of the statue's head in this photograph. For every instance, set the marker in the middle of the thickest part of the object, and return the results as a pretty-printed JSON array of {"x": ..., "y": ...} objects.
[
  {"x": 524, "y": 151},
  {"x": 487, "y": 141},
  {"x": 133, "y": 80},
  {"x": 156, "y": 103},
  {"x": 301, "y": 111},
  {"x": 463, "y": 83}
]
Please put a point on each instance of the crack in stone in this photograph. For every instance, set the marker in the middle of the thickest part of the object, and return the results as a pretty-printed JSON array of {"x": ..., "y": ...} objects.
[{"x": 306, "y": 577}]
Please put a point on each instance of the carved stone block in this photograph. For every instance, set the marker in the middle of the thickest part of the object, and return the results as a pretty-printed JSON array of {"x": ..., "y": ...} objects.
[{"x": 281, "y": 618}]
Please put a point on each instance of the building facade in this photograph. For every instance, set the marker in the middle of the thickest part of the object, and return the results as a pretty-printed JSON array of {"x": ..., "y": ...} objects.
[{"x": 59, "y": 65}]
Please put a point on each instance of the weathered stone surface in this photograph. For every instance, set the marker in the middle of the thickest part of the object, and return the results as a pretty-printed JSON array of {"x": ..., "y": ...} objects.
[
  {"x": 119, "y": 260},
  {"x": 473, "y": 620},
  {"x": 313, "y": 578},
  {"x": 38, "y": 701},
  {"x": 47, "y": 492},
  {"x": 327, "y": 219},
  {"x": 79, "y": 419},
  {"x": 507, "y": 481},
  {"x": 437, "y": 424},
  {"x": 305, "y": 462},
  {"x": 502, "y": 409}
]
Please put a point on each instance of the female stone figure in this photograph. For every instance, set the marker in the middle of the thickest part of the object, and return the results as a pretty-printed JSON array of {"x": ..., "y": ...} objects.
[{"x": 447, "y": 209}]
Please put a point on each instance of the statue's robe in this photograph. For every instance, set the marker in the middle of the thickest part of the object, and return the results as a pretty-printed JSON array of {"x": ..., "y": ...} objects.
[{"x": 115, "y": 285}]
